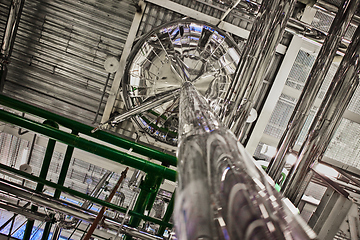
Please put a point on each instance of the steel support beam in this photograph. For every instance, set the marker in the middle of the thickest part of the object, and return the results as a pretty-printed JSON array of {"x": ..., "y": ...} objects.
[
  {"x": 90, "y": 146},
  {"x": 85, "y": 129}
]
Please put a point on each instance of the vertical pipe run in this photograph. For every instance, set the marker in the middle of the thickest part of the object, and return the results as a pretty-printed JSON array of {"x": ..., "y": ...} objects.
[
  {"x": 260, "y": 47},
  {"x": 221, "y": 193},
  {"x": 167, "y": 216},
  {"x": 142, "y": 201},
  {"x": 326, "y": 121},
  {"x": 43, "y": 172},
  {"x": 102, "y": 211},
  {"x": 312, "y": 86}
]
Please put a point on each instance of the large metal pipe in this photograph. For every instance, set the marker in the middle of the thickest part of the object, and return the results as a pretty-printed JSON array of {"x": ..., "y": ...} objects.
[
  {"x": 265, "y": 35},
  {"x": 90, "y": 146},
  {"x": 312, "y": 86},
  {"x": 85, "y": 129},
  {"x": 221, "y": 193},
  {"x": 326, "y": 121},
  {"x": 66, "y": 208}
]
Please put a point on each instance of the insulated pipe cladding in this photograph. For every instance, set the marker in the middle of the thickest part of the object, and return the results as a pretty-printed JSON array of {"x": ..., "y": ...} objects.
[{"x": 221, "y": 193}]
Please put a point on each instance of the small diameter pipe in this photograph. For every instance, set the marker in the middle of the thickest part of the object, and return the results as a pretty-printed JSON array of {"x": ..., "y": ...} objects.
[
  {"x": 85, "y": 129},
  {"x": 312, "y": 87},
  {"x": 158, "y": 100},
  {"x": 90, "y": 146},
  {"x": 142, "y": 201},
  {"x": 67, "y": 208},
  {"x": 79, "y": 194},
  {"x": 326, "y": 121},
  {"x": 102, "y": 211}
]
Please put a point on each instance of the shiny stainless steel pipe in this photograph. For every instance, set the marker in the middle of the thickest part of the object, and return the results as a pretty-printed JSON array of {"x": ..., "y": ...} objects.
[
  {"x": 260, "y": 47},
  {"x": 312, "y": 86},
  {"x": 24, "y": 211},
  {"x": 157, "y": 101},
  {"x": 221, "y": 193},
  {"x": 11, "y": 29},
  {"x": 67, "y": 208},
  {"x": 326, "y": 121}
]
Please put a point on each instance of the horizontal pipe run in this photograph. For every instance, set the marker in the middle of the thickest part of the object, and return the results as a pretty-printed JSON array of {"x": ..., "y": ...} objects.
[
  {"x": 81, "y": 195},
  {"x": 66, "y": 208},
  {"x": 89, "y": 146},
  {"x": 25, "y": 212},
  {"x": 85, "y": 129}
]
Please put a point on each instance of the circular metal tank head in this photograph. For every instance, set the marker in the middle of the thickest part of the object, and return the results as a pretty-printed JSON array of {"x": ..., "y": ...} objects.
[{"x": 185, "y": 50}]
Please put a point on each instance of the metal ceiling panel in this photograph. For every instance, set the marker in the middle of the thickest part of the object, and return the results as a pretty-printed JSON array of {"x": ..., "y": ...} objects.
[{"x": 59, "y": 53}]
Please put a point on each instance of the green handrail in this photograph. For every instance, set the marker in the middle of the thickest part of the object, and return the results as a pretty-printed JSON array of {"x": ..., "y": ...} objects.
[
  {"x": 85, "y": 129},
  {"x": 81, "y": 195},
  {"x": 90, "y": 146}
]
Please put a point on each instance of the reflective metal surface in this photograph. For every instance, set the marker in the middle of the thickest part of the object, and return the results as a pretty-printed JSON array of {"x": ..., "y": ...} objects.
[
  {"x": 221, "y": 193},
  {"x": 67, "y": 208},
  {"x": 326, "y": 121},
  {"x": 166, "y": 57},
  {"x": 265, "y": 35},
  {"x": 312, "y": 86}
]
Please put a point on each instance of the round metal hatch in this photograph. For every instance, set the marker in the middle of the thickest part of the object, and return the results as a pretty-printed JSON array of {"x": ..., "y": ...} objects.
[{"x": 169, "y": 55}]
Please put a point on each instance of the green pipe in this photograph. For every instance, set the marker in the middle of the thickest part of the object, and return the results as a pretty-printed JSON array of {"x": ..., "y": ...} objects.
[
  {"x": 80, "y": 195},
  {"x": 167, "y": 216},
  {"x": 152, "y": 197},
  {"x": 47, "y": 229},
  {"x": 85, "y": 129},
  {"x": 147, "y": 187},
  {"x": 39, "y": 187},
  {"x": 90, "y": 146},
  {"x": 28, "y": 230}
]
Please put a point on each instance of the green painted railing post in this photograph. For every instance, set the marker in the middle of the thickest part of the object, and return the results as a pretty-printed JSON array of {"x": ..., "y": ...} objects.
[
  {"x": 167, "y": 216},
  {"x": 85, "y": 129},
  {"x": 39, "y": 187},
  {"x": 158, "y": 180},
  {"x": 147, "y": 187},
  {"x": 65, "y": 167},
  {"x": 90, "y": 146}
]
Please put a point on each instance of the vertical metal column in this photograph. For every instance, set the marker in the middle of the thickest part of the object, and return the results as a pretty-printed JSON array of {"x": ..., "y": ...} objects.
[
  {"x": 326, "y": 121},
  {"x": 43, "y": 172},
  {"x": 312, "y": 86},
  {"x": 260, "y": 47}
]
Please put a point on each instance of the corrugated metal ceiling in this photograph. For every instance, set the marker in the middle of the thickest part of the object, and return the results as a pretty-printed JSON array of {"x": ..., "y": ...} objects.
[{"x": 60, "y": 50}]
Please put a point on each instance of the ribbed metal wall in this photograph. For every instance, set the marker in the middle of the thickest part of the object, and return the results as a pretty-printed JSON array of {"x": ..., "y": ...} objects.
[{"x": 60, "y": 51}]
